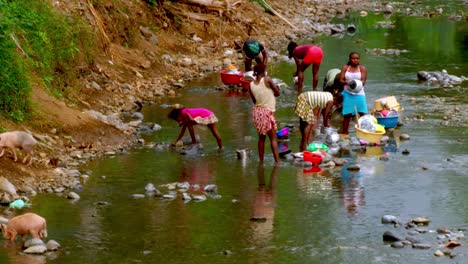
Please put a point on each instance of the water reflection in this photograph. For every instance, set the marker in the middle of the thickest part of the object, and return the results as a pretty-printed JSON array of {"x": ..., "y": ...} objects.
[
  {"x": 352, "y": 191},
  {"x": 264, "y": 206}
]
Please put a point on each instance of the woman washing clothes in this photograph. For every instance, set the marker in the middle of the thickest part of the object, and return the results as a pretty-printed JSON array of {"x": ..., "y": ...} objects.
[{"x": 354, "y": 96}]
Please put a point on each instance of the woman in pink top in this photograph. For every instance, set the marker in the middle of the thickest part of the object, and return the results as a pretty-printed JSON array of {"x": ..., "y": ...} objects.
[
  {"x": 305, "y": 55},
  {"x": 188, "y": 117}
]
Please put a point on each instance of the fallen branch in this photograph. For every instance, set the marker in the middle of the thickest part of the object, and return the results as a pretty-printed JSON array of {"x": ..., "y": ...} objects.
[
  {"x": 277, "y": 13},
  {"x": 105, "y": 39}
]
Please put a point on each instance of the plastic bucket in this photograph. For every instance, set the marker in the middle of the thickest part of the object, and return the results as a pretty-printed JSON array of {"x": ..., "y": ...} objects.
[
  {"x": 314, "y": 158},
  {"x": 231, "y": 79},
  {"x": 388, "y": 122},
  {"x": 314, "y": 146},
  {"x": 245, "y": 84},
  {"x": 369, "y": 136}
]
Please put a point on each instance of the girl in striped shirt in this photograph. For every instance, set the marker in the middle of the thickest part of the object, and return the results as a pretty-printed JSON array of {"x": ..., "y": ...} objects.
[{"x": 308, "y": 108}]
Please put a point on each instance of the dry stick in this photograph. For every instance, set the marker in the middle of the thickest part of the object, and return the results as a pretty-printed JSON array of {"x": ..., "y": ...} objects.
[
  {"x": 278, "y": 14},
  {"x": 106, "y": 40},
  {"x": 18, "y": 45},
  {"x": 356, "y": 115}
]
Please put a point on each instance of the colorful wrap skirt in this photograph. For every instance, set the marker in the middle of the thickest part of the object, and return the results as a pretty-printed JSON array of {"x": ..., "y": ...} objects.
[
  {"x": 351, "y": 100},
  {"x": 264, "y": 120},
  {"x": 211, "y": 119}
]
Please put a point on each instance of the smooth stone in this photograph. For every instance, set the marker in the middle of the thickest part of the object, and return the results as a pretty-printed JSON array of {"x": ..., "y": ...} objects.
[
  {"x": 33, "y": 242},
  {"x": 421, "y": 246},
  {"x": 52, "y": 245},
  {"x": 389, "y": 219},
  {"x": 398, "y": 244},
  {"x": 39, "y": 249},
  {"x": 390, "y": 237}
]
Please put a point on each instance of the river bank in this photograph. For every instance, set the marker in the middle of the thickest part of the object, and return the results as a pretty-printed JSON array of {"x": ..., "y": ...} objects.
[{"x": 90, "y": 124}]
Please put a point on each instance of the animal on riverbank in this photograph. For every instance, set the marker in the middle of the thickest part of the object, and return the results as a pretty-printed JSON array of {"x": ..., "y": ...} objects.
[
  {"x": 18, "y": 139},
  {"x": 22, "y": 225}
]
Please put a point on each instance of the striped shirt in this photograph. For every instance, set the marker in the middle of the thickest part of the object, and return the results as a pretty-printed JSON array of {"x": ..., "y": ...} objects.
[{"x": 317, "y": 99}]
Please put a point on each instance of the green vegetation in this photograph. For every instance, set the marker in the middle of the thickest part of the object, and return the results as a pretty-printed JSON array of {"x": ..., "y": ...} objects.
[{"x": 36, "y": 40}]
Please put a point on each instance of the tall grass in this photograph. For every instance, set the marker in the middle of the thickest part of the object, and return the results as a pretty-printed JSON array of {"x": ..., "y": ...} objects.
[{"x": 34, "y": 39}]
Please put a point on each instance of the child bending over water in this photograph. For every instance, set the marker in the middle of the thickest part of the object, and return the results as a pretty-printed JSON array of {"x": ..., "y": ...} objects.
[{"x": 188, "y": 117}]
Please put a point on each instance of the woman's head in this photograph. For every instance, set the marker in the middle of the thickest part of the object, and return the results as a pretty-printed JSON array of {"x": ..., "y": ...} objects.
[
  {"x": 354, "y": 58},
  {"x": 259, "y": 69},
  {"x": 175, "y": 114},
  {"x": 291, "y": 46}
]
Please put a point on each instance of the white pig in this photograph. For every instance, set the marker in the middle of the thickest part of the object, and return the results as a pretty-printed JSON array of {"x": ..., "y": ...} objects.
[
  {"x": 22, "y": 225},
  {"x": 18, "y": 139}
]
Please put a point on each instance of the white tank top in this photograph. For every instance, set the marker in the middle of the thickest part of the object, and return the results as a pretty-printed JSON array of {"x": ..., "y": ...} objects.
[{"x": 349, "y": 76}]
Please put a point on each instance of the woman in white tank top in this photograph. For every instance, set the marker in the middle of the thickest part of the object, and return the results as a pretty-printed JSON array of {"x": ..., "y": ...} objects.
[{"x": 353, "y": 99}]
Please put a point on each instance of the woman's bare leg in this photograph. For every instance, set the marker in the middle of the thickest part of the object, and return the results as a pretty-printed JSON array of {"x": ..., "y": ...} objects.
[{"x": 215, "y": 133}]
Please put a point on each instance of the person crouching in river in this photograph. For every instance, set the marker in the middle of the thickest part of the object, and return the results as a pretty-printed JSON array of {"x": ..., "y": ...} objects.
[
  {"x": 263, "y": 92},
  {"x": 308, "y": 107}
]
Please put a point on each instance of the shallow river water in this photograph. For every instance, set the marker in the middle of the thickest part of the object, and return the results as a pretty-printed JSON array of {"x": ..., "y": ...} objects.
[{"x": 331, "y": 216}]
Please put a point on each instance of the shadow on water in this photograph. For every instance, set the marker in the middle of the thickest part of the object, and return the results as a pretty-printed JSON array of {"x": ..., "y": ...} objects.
[{"x": 311, "y": 215}]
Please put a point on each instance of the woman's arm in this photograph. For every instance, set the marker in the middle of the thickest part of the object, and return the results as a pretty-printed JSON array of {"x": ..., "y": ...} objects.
[
  {"x": 252, "y": 96},
  {"x": 181, "y": 134},
  {"x": 363, "y": 75},
  {"x": 342, "y": 75},
  {"x": 272, "y": 86}
]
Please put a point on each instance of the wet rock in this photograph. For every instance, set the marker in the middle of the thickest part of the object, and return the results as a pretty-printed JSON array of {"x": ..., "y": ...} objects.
[
  {"x": 73, "y": 196},
  {"x": 211, "y": 188},
  {"x": 7, "y": 186},
  {"x": 421, "y": 246},
  {"x": 421, "y": 230},
  {"x": 390, "y": 219},
  {"x": 405, "y": 137},
  {"x": 52, "y": 245},
  {"x": 413, "y": 240},
  {"x": 169, "y": 196},
  {"x": 452, "y": 244},
  {"x": 389, "y": 236},
  {"x": 443, "y": 231},
  {"x": 33, "y": 242},
  {"x": 398, "y": 244},
  {"x": 439, "y": 253},
  {"x": 138, "y": 196},
  {"x": 3, "y": 220},
  {"x": 39, "y": 249},
  {"x": 186, "y": 197},
  {"x": 150, "y": 187},
  {"x": 421, "y": 221},
  {"x": 199, "y": 198}
]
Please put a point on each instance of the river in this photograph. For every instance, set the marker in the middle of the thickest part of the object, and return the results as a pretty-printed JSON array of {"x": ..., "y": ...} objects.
[{"x": 331, "y": 216}]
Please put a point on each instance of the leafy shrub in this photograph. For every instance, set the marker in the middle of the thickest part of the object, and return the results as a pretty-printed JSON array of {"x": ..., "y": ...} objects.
[{"x": 35, "y": 39}]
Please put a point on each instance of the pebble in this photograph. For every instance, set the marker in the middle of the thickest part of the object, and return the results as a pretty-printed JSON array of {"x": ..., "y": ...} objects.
[{"x": 421, "y": 246}]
